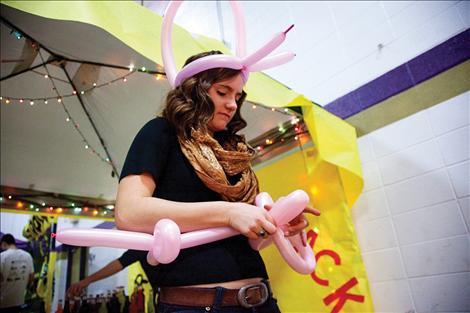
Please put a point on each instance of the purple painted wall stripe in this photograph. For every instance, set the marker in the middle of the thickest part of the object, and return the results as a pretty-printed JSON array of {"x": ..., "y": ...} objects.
[{"x": 425, "y": 66}]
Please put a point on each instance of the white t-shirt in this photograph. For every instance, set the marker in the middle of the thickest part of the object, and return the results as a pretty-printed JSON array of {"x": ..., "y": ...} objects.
[{"x": 15, "y": 266}]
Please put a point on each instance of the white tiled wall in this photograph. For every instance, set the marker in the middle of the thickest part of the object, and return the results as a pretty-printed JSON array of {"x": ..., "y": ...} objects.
[
  {"x": 442, "y": 293},
  {"x": 392, "y": 296},
  {"x": 413, "y": 218}
]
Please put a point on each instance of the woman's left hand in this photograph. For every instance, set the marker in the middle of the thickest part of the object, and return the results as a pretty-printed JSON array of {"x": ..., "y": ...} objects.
[{"x": 299, "y": 223}]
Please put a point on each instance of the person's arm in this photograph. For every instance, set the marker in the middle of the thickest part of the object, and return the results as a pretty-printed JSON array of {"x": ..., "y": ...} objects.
[
  {"x": 137, "y": 210},
  {"x": 299, "y": 223},
  {"x": 110, "y": 269}
]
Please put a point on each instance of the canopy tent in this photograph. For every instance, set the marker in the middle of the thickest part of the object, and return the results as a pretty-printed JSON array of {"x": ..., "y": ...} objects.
[
  {"x": 41, "y": 150},
  {"x": 73, "y": 146}
]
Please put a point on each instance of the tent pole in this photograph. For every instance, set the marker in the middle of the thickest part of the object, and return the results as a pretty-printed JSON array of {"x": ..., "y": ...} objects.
[
  {"x": 60, "y": 57},
  {"x": 120, "y": 67},
  {"x": 28, "y": 69},
  {"x": 9, "y": 24},
  {"x": 115, "y": 171}
]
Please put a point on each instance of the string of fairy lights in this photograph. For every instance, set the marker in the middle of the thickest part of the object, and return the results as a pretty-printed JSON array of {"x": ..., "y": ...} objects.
[
  {"x": 61, "y": 99},
  {"x": 291, "y": 130},
  {"x": 19, "y": 202}
]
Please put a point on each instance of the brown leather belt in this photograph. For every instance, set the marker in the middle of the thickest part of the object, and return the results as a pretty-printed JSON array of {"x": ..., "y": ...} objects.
[{"x": 248, "y": 296}]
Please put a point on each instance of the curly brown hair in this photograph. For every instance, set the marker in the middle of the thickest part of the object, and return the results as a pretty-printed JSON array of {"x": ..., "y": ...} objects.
[{"x": 190, "y": 106}]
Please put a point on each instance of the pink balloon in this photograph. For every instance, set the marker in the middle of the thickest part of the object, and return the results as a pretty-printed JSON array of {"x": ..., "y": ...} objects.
[
  {"x": 164, "y": 245},
  {"x": 166, "y": 42},
  {"x": 240, "y": 62},
  {"x": 167, "y": 241},
  {"x": 287, "y": 208},
  {"x": 206, "y": 63},
  {"x": 267, "y": 48},
  {"x": 105, "y": 238},
  {"x": 272, "y": 61},
  {"x": 239, "y": 19},
  {"x": 304, "y": 261}
]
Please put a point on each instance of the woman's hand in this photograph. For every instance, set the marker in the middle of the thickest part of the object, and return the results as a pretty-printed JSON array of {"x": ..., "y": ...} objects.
[
  {"x": 76, "y": 289},
  {"x": 299, "y": 223},
  {"x": 250, "y": 220}
]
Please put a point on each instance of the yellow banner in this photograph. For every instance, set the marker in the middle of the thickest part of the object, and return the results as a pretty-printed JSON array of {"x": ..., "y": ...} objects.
[
  {"x": 38, "y": 225},
  {"x": 46, "y": 280},
  {"x": 339, "y": 282}
]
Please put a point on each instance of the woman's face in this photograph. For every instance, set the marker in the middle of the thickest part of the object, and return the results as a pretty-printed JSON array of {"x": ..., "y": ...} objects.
[{"x": 224, "y": 95}]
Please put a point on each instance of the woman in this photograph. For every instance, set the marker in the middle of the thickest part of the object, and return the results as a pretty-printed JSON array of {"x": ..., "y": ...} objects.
[{"x": 190, "y": 166}]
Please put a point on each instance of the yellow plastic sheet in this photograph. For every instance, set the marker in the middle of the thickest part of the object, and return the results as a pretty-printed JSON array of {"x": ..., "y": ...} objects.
[
  {"x": 336, "y": 143},
  {"x": 50, "y": 280},
  {"x": 330, "y": 172}
]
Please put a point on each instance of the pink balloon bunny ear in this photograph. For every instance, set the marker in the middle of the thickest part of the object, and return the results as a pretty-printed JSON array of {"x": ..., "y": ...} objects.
[
  {"x": 240, "y": 39},
  {"x": 254, "y": 62}
]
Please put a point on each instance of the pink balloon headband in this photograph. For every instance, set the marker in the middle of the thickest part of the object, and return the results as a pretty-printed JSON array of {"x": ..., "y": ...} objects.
[{"x": 256, "y": 61}]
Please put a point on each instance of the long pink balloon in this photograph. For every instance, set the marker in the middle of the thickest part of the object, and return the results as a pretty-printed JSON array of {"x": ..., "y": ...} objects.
[
  {"x": 167, "y": 241},
  {"x": 267, "y": 48},
  {"x": 166, "y": 42},
  {"x": 298, "y": 256},
  {"x": 239, "y": 20},
  {"x": 272, "y": 61},
  {"x": 206, "y": 63}
]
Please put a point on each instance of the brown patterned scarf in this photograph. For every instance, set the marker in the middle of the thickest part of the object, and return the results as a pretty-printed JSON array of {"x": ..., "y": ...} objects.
[{"x": 213, "y": 163}]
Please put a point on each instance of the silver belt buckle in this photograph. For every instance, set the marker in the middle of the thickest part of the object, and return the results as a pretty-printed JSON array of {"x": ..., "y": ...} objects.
[{"x": 243, "y": 298}]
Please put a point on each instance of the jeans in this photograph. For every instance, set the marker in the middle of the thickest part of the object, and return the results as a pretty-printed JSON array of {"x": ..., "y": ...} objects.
[{"x": 270, "y": 306}]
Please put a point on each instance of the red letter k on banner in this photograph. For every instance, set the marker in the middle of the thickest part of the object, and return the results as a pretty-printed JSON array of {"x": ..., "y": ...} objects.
[{"x": 342, "y": 296}]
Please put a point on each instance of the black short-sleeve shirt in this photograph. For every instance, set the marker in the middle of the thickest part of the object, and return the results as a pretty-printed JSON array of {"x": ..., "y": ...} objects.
[
  {"x": 156, "y": 150},
  {"x": 131, "y": 256}
]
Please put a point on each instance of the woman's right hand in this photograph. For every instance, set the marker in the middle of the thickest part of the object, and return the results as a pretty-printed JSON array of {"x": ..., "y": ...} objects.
[{"x": 250, "y": 220}]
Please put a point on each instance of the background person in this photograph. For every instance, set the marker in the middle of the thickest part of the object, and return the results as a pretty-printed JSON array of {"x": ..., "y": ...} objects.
[
  {"x": 16, "y": 273},
  {"x": 113, "y": 267}
]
